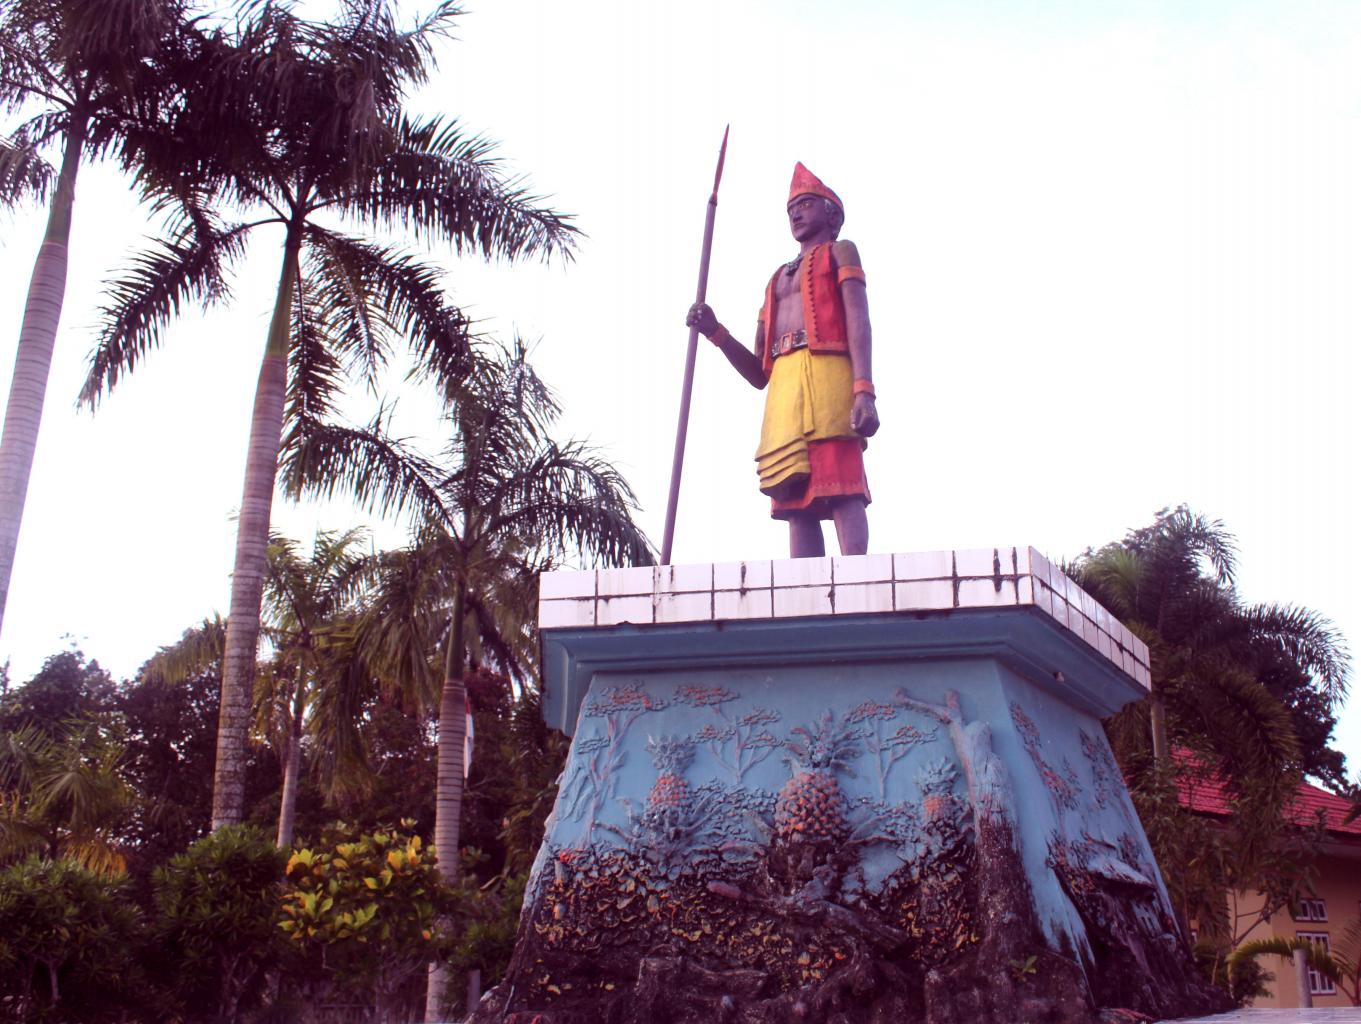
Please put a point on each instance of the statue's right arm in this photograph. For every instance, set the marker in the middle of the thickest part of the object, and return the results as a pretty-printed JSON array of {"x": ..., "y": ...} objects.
[{"x": 744, "y": 360}]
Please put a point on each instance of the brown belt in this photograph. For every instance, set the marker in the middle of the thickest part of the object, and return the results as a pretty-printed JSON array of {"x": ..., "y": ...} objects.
[{"x": 788, "y": 343}]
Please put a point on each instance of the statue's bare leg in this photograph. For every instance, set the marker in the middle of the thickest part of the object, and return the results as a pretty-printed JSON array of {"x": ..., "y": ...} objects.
[
  {"x": 852, "y": 526},
  {"x": 805, "y": 537}
]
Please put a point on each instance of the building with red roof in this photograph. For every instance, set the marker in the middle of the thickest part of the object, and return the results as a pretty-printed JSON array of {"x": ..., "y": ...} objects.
[{"x": 1335, "y": 899}]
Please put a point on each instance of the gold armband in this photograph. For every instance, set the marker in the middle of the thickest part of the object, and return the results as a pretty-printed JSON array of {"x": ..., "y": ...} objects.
[{"x": 845, "y": 274}]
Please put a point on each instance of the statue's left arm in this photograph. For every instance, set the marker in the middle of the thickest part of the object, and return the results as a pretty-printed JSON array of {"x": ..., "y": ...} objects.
[{"x": 851, "y": 283}]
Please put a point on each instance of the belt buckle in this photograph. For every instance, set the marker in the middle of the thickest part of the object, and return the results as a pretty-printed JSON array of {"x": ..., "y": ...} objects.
[{"x": 787, "y": 343}]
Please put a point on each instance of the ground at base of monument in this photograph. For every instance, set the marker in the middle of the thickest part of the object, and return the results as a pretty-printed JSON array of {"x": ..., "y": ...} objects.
[{"x": 1323, "y": 1015}]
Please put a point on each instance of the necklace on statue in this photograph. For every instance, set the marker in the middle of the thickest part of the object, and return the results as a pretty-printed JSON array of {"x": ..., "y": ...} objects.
[{"x": 792, "y": 267}]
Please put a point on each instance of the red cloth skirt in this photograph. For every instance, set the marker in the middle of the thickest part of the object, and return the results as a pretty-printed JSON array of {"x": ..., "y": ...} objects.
[{"x": 837, "y": 470}]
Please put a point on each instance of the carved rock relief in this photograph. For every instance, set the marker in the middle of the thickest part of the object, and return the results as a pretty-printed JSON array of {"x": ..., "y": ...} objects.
[{"x": 757, "y": 902}]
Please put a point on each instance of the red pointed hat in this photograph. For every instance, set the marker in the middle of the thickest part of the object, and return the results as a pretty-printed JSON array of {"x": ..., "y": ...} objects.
[{"x": 807, "y": 183}]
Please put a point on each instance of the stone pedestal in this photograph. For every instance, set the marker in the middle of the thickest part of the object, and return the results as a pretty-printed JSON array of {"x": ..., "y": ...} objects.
[{"x": 871, "y": 788}]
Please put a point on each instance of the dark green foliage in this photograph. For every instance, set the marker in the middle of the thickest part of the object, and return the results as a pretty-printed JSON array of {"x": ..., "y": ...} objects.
[
  {"x": 1244, "y": 979},
  {"x": 66, "y": 687},
  {"x": 1249, "y": 692},
  {"x": 216, "y": 929},
  {"x": 491, "y": 920},
  {"x": 69, "y": 943},
  {"x": 63, "y": 796},
  {"x": 171, "y": 731}
]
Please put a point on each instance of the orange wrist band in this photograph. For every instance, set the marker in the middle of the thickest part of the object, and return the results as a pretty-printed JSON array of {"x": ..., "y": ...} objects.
[
  {"x": 863, "y": 387},
  {"x": 721, "y": 335}
]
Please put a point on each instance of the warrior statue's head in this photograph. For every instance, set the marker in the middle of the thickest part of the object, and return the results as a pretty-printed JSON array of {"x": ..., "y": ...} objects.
[{"x": 812, "y": 206}]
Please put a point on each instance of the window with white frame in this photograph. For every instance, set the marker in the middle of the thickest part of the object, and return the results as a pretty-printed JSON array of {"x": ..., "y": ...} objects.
[
  {"x": 1311, "y": 910},
  {"x": 1319, "y": 984}
]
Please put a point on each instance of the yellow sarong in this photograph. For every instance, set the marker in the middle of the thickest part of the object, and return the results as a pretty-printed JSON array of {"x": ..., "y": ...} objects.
[{"x": 808, "y": 399}]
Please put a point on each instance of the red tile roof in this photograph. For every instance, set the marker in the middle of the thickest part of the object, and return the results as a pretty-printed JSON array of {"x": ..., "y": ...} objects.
[{"x": 1204, "y": 792}]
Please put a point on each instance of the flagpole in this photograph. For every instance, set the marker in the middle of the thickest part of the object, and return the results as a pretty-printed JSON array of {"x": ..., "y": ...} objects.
[{"x": 687, "y": 385}]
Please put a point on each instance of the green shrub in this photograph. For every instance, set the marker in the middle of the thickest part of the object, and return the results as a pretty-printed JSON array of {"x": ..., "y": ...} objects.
[
  {"x": 368, "y": 912},
  {"x": 69, "y": 943},
  {"x": 217, "y": 909}
]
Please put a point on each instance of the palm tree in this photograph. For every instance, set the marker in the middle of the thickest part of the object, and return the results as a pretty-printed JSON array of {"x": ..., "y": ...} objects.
[
  {"x": 503, "y": 504},
  {"x": 1212, "y": 709},
  {"x": 306, "y": 603},
  {"x": 1341, "y": 962},
  {"x": 63, "y": 795},
  {"x": 305, "y": 122},
  {"x": 94, "y": 71},
  {"x": 316, "y": 676},
  {"x": 1172, "y": 584}
]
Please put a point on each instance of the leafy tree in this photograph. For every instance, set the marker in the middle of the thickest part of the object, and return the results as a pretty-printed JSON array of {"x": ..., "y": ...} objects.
[
  {"x": 95, "y": 72},
  {"x": 170, "y": 728},
  {"x": 66, "y": 687},
  {"x": 505, "y": 503},
  {"x": 216, "y": 928},
  {"x": 295, "y": 121},
  {"x": 69, "y": 943}
]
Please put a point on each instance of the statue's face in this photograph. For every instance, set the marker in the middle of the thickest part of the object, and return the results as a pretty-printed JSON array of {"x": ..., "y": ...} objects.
[{"x": 809, "y": 217}]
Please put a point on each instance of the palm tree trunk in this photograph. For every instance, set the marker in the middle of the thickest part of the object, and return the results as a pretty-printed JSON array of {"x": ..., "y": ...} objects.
[
  {"x": 288, "y": 802},
  {"x": 453, "y": 713},
  {"x": 252, "y": 539},
  {"x": 37, "y": 335},
  {"x": 1157, "y": 714}
]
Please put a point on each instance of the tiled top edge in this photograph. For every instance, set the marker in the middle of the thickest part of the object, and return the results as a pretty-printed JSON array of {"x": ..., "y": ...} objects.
[{"x": 854, "y": 584}]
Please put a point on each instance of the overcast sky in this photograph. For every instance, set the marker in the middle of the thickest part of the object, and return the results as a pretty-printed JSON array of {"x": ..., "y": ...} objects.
[{"x": 1113, "y": 254}]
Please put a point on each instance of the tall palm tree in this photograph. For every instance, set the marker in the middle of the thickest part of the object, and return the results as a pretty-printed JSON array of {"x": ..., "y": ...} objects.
[
  {"x": 504, "y": 503},
  {"x": 85, "y": 74},
  {"x": 305, "y": 123}
]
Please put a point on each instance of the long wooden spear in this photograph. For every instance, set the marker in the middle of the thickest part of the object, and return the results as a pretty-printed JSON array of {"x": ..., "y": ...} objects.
[{"x": 678, "y": 459}]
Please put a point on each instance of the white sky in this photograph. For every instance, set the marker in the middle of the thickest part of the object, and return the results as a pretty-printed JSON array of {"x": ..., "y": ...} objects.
[{"x": 1113, "y": 254}]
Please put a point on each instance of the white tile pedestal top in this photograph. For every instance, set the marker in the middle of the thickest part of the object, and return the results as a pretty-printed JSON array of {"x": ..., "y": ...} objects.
[
  {"x": 919, "y": 583},
  {"x": 1322, "y": 1015}
]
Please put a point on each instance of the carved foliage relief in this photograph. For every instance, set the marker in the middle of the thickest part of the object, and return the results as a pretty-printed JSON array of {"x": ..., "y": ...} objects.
[{"x": 860, "y": 845}]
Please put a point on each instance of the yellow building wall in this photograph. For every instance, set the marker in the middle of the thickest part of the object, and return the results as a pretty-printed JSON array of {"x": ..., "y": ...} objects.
[{"x": 1338, "y": 884}]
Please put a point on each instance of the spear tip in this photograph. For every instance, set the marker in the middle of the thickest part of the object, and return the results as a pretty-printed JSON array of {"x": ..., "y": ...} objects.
[{"x": 722, "y": 153}]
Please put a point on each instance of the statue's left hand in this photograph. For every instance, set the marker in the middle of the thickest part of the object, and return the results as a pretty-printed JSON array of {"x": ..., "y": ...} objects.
[{"x": 864, "y": 416}]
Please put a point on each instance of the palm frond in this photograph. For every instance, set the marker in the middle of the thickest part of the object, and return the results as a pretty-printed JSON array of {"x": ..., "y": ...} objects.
[
  {"x": 158, "y": 283},
  {"x": 1317, "y": 956},
  {"x": 403, "y": 619},
  {"x": 571, "y": 496},
  {"x": 1238, "y": 725},
  {"x": 24, "y": 174},
  {"x": 20, "y": 837},
  {"x": 315, "y": 377},
  {"x": 321, "y": 459},
  {"x": 1113, "y": 575},
  {"x": 1307, "y": 638},
  {"x": 199, "y": 649},
  {"x": 440, "y": 184},
  {"x": 371, "y": 294},
  {"x": 338, "y": 711}
]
